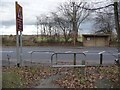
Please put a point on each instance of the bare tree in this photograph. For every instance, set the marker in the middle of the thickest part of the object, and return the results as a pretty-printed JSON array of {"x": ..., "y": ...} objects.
[
  {"x": 73, "y": 12},
  {"x": 62, "y": 24},
  {"x": 45, "y": 22},
  {"x": 104, "y": 22},
  {"x": 68, "y": 19},
  {"x": 41, "y": 22}
]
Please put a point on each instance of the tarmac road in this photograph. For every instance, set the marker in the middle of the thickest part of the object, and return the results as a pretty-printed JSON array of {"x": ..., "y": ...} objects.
[{"x": 92, "y": 54}]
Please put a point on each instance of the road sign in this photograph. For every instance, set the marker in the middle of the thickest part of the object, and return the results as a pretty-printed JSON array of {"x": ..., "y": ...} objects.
[
  {"x": 19, "y": 28},
  {"x": 19, "y": 18}
]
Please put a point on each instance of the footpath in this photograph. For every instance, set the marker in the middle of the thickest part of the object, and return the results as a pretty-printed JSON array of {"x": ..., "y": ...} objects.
[
  {"x": 48, "y": 82},
  {"x": 99, "y": 83}
]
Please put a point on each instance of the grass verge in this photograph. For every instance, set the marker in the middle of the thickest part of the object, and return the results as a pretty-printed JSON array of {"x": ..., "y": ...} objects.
[{"x": 24, "y": 77}]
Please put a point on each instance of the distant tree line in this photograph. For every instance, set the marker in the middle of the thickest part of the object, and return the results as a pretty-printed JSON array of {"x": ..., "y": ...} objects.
[
  {"x": 69, "y": 16},
  {"x": 65, "y": 22}
]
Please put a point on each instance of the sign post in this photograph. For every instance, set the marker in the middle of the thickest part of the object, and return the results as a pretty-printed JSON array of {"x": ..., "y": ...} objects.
[
  {"x": 19, "y": 28},
  {"x": 21, "y": 47}
]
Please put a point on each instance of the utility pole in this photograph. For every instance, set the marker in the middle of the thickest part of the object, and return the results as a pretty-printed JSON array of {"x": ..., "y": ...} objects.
[
  {"x": 117, "y": 26},
  {"x": 118, "y": 38}
]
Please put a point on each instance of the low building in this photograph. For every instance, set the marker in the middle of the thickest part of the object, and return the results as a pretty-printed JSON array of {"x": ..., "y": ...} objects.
[{"x": 96, "y": 39}]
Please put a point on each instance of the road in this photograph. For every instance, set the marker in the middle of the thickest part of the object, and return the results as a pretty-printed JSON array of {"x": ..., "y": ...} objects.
[{"x": 92, "y": 55}]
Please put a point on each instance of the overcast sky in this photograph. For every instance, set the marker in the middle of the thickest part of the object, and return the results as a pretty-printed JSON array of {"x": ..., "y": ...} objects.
[{"x": 31, "y": 9}]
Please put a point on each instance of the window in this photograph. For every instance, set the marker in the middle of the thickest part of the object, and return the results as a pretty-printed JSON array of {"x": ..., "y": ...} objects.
[{"x": 88, "y": 38}]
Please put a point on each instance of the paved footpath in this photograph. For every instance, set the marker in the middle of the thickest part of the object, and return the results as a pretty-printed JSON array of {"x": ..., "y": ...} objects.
[
  {"x": 102, "y": 83},
  {"x": 48, "y": 82}
]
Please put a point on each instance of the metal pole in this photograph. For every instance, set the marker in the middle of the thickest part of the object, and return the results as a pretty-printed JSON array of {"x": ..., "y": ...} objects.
[
  {"x": 31, "y": 58},
  {"x": 118, "y": 37},
  {"x": 101, "y": 58},
  {"x": 21, "y": 48},
  {"x": 17, "y": 48},
  {"x": 117, "y": 26},
  {"x": 56, "y": 59},
  {"x": 74, "y": 59},
  {"x": 8, "y": 60},
  {"x": 52, "y": 59},
  {"x": 17, "y": 40}
]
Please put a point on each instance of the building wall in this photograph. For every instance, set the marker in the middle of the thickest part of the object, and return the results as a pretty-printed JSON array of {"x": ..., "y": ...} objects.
[{"x": 95, "y": 41}]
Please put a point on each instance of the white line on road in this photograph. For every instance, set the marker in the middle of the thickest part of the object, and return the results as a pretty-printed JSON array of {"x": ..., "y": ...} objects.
[
  {"x": 47, "y": 52},
  {"x": 68, "y": 51},
  {"x": 101, "y": 52},
  {"x": 85, "y": 51},
  {"x": 30, "y": 52},
  {"x": 6, "y": 51}
]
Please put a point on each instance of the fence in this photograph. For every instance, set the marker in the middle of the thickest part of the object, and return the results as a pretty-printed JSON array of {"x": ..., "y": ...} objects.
[
  {"x": 54, "y": 54},
  {"x": 74, "y": 60},
  {"x": 31, "y": 53},
  {"x": 8, "y": 56}
]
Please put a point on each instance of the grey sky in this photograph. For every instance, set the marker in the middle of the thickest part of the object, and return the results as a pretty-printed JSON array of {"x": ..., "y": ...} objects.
[{"x": 31, "y": 9}]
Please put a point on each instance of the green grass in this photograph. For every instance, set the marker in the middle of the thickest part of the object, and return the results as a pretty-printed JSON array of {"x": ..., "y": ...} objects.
[
  {"x": 15, "y": 77},
  {"x": 9, "y": 43},
  {"x": 35, "y": 41},
  {"x": 11, "y": 80},
  {"x": 61, "y": 39},
  {"x": 79, "y": 39}
]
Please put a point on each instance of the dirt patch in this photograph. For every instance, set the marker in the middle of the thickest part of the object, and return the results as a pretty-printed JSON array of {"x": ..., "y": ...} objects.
[{"x": 48, "y": 82}]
